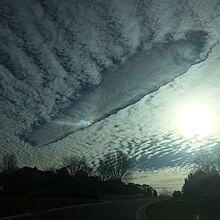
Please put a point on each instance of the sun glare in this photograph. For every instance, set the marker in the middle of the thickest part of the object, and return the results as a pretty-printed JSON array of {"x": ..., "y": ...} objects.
[{"x": 195, "y": 120}]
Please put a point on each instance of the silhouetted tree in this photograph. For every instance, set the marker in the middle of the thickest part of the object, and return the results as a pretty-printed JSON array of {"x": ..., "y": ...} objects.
[
  {"x": 155, "y": 193},
  {"x": 207, "y": 162},
  {"x": 201, "y": 184},
  {"x": 76, "y": 167},
  {"x": 9, "y": 164},
  {"x": 177, "y": 194},
  {"x": 144, "y": 190},
  {"x": 115, "y": 167},
  {"x": 205, "y": 180}
]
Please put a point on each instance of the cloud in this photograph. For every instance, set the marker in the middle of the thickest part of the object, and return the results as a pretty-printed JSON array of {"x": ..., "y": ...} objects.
[
  {"x": 50, "y": 52},
  {"x": 134, "y": 79}
]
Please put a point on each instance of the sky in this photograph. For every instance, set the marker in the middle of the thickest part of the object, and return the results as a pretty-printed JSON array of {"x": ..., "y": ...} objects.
[{"x": 89, "y": 78}]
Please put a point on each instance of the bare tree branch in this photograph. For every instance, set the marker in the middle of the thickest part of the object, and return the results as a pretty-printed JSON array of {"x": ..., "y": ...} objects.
[
  {"x": 9, "y": 164},
  {"x": 76, "y": 166},
  {"x": 115, "y": 167}
]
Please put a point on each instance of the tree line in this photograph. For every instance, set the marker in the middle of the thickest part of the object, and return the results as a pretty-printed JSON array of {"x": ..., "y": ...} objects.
[
  {"x": 204, "y": 181},
  {"x": 74, "y": 177}
]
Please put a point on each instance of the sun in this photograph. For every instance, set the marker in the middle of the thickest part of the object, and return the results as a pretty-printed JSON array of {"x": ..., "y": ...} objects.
[{"x": 195, "y": 120}]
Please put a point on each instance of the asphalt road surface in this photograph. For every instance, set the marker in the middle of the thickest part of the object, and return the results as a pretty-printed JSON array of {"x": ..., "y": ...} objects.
[{"x": 120, "y": 210}]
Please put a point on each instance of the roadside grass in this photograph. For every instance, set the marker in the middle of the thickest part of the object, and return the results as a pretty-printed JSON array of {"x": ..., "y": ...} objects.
[
  {"x": 13, "y": 205},
  {"x": 184, "y": 210}
]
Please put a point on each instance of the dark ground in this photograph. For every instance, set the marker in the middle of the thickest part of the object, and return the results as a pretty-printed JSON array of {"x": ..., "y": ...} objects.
[
  {"x": 117, "y": 210},
  {"x": 184, "y": 210},
  {"x": 11, "y": 205}
]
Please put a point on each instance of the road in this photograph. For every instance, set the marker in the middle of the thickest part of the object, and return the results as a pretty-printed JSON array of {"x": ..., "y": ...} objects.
[{"x": 120, "y": 210}]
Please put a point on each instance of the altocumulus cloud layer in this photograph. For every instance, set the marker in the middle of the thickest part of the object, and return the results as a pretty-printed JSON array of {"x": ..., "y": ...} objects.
[
  {"x": 142, "y": 74},
  {"x": 64, "y": 65}
]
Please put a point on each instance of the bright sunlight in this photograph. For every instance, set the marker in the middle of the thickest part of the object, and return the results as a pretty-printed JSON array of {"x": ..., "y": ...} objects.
[{"x": 195, "y": 120}]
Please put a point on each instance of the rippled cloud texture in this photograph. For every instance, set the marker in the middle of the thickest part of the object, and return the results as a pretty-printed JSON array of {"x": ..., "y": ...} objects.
[{"x": 51, "y": 52}]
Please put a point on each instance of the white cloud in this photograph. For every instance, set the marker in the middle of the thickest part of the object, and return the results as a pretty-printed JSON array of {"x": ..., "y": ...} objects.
[{"x": 49, "y": 53}]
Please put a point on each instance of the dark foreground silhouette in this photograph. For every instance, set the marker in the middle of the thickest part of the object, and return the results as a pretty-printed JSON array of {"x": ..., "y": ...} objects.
[
  {"x": 32, "y": 181},
  {"x": 117, "y": 210},
  {"x": 200, "y": 195},
  {"x": 74, "y": 180}
]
